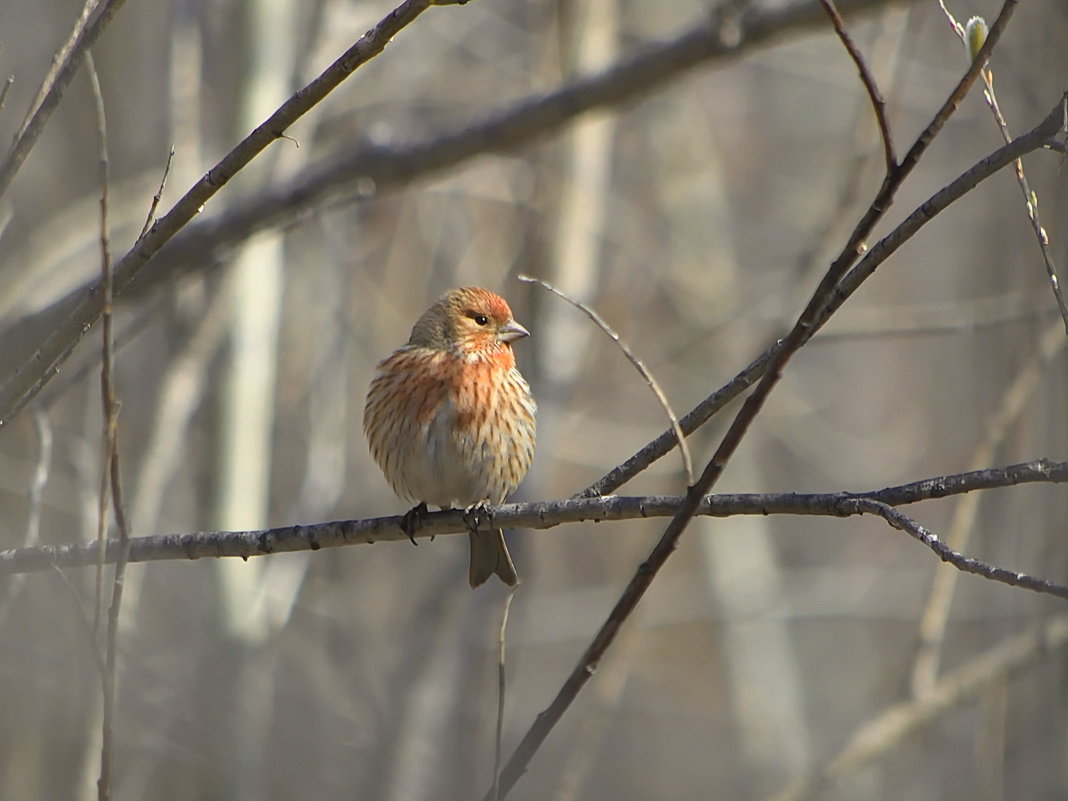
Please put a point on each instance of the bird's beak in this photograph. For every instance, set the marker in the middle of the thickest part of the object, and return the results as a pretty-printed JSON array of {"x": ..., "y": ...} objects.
[{"x": 511, "y": 331}]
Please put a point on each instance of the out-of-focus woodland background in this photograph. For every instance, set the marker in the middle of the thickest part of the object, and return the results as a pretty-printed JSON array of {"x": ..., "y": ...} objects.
[{"x": 697, "y": 220}]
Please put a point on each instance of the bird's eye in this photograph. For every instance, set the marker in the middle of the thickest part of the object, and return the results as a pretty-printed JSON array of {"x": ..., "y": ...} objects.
[{"x": 480, "y": 319}]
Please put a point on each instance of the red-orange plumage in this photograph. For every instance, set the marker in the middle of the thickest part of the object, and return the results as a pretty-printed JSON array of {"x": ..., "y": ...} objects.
[{"x": 450, "y": 420}]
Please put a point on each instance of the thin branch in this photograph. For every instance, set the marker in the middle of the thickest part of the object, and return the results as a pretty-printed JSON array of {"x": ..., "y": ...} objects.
[
  {"x": 109, "y": 479},
  {"x": 956, "y": 26},
  {"x": 934, "y": 619},
  {"x": 878, "y": 104},
  {"x": 107, "y": 394},
  {"x": 8, "y": 82},
  {"x": 1039, "y": 471},
  {"x": 382, "y": 168},
  {"x": 502, "y": 685},
  {"x": 977, "y": 27},
  {"x": 957, "y": 95},
  {"x": 45, "y": 362},
  {"x": 1037, "y": 138},
  {"x": 82, "y": 38},
  {"x": 1030, "y": 204},
  {"x": 963, "y": 563},
  {"x": 540, "y": 515},
  {"x": 150, "y": 218},
  {"x": 650, "y": 380},
  {"x": 59, "y": 61},
  {"x": 798, "y": 336}
]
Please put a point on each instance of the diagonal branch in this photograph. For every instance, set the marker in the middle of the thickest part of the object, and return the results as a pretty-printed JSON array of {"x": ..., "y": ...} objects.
[
  {"x": 1034, "y": 139},
  {"x": 81, "y": 40},
  {"x": 44, "y": 363},
  {"x": 650, "y": 380},
  {"x": 878, "y": 104},
  {"x": 963, "y": 563},
  {"x": 970, "y": 35},
  {"x": 383, "y": 168},
  {"x": 897, "y": 723},
  {"x": 798, "y": 336}
]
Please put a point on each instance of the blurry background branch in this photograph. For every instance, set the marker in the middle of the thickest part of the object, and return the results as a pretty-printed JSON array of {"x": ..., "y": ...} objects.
[
  {"x": 691, "y": 207},
  {"x": 373, "y": 169},
  {"x": 885, "y": 732},
  {"x": 44, "y": 362},
  {"x": 65, "y": 65}
]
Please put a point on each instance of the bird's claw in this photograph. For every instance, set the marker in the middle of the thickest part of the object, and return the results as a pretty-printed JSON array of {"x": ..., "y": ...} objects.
[
  {"x": 412, "y": 520},
  {"x": 475, "y": 514}
]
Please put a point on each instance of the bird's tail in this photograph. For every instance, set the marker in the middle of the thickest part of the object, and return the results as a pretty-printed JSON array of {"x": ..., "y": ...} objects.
[{"x": 489, "y": 555}]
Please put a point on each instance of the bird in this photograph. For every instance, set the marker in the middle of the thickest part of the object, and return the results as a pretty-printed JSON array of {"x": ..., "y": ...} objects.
[{"x": 450, "y": 421}]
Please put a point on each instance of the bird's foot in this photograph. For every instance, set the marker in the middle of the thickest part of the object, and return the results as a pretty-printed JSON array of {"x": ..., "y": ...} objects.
[
  {"x": 413, "y": 519},
  {"x": 476, "y": 514}
]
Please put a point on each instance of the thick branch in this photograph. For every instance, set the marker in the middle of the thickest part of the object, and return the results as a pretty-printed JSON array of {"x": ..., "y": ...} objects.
[{"x": 541, "y": 515}]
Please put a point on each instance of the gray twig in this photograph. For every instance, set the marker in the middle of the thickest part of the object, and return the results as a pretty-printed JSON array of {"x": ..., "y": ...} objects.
[
  {"x": 65, "y": 65},
  {"x": 877, "y": 102},
  {"x": 654, "y": 385}
]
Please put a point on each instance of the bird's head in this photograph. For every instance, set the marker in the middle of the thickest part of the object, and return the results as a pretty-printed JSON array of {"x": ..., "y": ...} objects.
[{"x": 471, "y": 319}]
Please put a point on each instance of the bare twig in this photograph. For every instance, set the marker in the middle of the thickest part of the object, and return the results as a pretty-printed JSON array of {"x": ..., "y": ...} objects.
[
  {"x": 797, "y": 337},
  {"x": 857, "y": 174},
  {"x": 877, "y": 102},
  {"x": 59, "y": 61},
  {"x": 978, "y": 25},
  {"x": 963, "y": 563},
  {"x": 1031, "y": 204},
  {"x": 1037, "y": 138},
  {"x": 957, "y": 95},
  {"x": 109, "y": 479},
  {"x": 107, "y": 393},
  {"x": 673, "y": 420},
  {"x": 382, "y": 168},
  {"x": 501, "y": 687},
  {"x": 150, "y": 218},
  {"x": 82, "y": 38},
  {"x": 45, "y": 362},
  {"x": 956, "y": 26},
  {"x": 8, "y": 82},
  {"x": 935, "y": 616},
  {"x": 1030, "y": 198}
]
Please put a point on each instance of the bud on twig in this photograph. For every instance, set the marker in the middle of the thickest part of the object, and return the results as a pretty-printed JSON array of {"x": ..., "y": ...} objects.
[{"x": 975, "y": 35}]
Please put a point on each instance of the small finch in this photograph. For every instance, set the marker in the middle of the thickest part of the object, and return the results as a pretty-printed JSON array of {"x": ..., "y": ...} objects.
[{"x": 450, "y": 420}]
